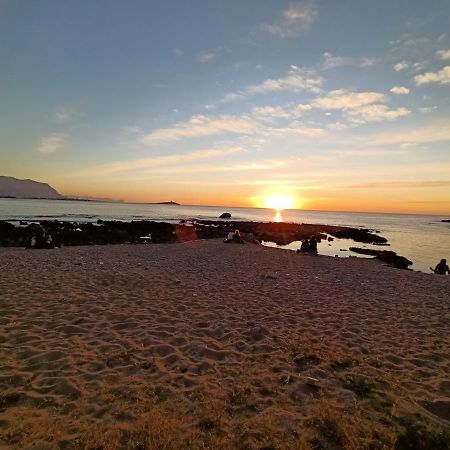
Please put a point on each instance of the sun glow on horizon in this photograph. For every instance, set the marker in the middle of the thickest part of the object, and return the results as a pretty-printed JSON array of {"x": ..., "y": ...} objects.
[{"x": 279, "y": 202}]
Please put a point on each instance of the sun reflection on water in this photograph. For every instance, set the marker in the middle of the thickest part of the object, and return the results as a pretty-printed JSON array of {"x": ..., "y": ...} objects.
[{"x": 278, "y": 217}]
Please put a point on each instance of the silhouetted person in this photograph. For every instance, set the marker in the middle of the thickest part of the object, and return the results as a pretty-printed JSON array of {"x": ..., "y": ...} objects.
[
  {"x": 42, "y": 240},
  {"x": 234, "y": 237},
  {"x": 441, "y": 268},
  {"x": 313, "y": 245},
  {"x": 308, "y": 246},
  {"x": 304, "y": 247}
]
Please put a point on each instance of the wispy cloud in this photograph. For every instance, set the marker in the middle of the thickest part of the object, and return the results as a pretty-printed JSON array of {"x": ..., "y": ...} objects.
[
  {"x": 63, "y": 114},
  {"x": 159, "y": 161},
  {"x": 402, "y": 65},
  {"x": 293, "y": 20},
  {"x": 401, "y": 185},
  {"x": 359, "y": 107},
  {"x": 201, "y": 125},
  {"x": 441, "y": 77},
  {"x": 271, "y": 113},
  {"x": 444, "y": 54},
  {"x": 296, "y": 80},
  {"x": 296, "y": 129},
  {"x": 268, "y": 164},
  {"x": 376, "y": 113},
  {"x": 368, "y": 62},
  {"x": 437, "y": 132},
  {"x": 206, "y": 56},
  {"x": 399, "y": 90},
  {"x": 343, "y": 99},
  {"x": 330, "y": 61},
  {"x": 427, "y": 109},
  {"x": 51, "y": 143}
]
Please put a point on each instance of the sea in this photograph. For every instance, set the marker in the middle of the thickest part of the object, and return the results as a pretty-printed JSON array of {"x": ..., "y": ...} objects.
[{"x": 423, "y": 239}]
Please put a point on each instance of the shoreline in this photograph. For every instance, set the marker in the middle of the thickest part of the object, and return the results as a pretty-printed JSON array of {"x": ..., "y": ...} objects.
[
  {"x": 118, "y": 232},
  {"x": 233, "y": 346}
]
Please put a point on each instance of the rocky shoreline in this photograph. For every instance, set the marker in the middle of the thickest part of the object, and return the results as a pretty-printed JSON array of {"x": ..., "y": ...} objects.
[
  {"x": 118, "y": 232},
  {"x": 137, "y": 232}
]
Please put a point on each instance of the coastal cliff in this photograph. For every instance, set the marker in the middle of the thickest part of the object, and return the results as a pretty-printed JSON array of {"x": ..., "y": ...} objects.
[{"x": 13, "y": 187}]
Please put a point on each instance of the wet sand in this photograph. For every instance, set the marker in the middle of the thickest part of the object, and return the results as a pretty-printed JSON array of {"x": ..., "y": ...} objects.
[{"x": 206, "y": 345}]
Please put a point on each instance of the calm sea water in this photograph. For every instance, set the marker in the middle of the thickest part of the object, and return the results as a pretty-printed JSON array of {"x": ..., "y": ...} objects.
[{"x": 422, "y": 239}]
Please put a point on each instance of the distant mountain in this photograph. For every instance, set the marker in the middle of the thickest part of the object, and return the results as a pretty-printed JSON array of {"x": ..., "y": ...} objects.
[{"x": 13, "y": 187}]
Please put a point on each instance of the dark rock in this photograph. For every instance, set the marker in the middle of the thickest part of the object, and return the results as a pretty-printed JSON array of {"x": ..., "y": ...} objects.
[
  {"x": 225, "y": 215},
  {"x": 387, "y": 256}
]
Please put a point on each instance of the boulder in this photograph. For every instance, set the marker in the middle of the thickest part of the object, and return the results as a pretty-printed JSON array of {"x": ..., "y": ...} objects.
[{"x": 225, "y": 215}]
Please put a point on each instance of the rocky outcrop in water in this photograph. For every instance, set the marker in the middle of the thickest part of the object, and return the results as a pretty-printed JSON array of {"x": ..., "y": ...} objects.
[
  {"x": 389, "y": 257},
  {"x": 116, "y": 232}
]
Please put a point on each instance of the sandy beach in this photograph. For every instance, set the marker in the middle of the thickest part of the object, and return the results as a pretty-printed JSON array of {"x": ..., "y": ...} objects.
[{"x": 205, "y": 345}]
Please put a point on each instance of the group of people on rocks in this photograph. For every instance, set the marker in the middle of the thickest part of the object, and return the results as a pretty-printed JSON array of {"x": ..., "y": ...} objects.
[
  {"x": 42, "y": 239},
  {"x": 308, "y": 246},
  {"x": 234, "y": 236}
]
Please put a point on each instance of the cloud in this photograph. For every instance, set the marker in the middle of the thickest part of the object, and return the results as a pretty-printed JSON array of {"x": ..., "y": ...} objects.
[
  {"x": 239, "y": 167},
  {"x": 444, "y": 54},
  {"x": 344, "y": 100},
  {"x": 63, "y": 114},
  {"x": 402, "y": 65},
  {"x": 200, "y": 125},
  {"x": 438, "y": 132},
  {"x": 375, "y": 113},
  {"x": 159, "y": 161},
  {"x": 270, "y": 113},
  {"x": 296, "y": 80},
  {"x": 368, "y": 62},
  {"x": 441, "y": 77},
  {"x": 330, "y": 61},
  {"x": 293, "y": 20},
  {"x": 337, "y": 126},
  {"x": 51, "y": 143},
  {"x": 206, "y": 56},
  {"x": 401, "y": 184},
  {"x": 399, "y": 90},
  {"x": 427, "y": 109},
  {"x": 296, "y": 129},
  {"x": 177, "y": 52}
]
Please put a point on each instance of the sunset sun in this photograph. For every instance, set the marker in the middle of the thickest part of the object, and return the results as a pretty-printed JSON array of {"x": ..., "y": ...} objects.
[{"x": 279, "y": 202}]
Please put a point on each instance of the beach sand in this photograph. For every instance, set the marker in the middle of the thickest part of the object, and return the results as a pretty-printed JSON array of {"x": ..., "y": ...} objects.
[{"x": 205, "y": 345}]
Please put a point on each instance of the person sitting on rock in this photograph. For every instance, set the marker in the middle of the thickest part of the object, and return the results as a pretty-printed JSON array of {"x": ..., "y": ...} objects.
[
  {"x": 441, "y": 268},
  {"x": 234, "y": 237},
  {"x": 229, "y": 238},
  {"x": 304, "y": 247},
  {"x": 313, "y": 245}
]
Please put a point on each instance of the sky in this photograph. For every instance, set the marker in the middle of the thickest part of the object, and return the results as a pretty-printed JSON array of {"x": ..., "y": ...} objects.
[{"x": 342, "y": 105}]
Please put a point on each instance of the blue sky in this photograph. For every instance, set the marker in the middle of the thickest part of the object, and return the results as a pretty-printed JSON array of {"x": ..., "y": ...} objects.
[{"x": 341, "y": 104}]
